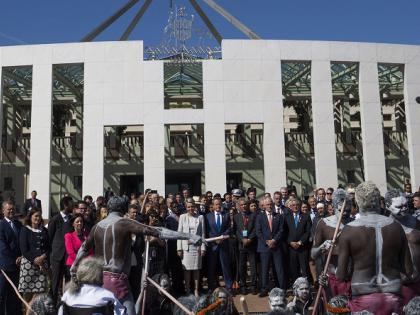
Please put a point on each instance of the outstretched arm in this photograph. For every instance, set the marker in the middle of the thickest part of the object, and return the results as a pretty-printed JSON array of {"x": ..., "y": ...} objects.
[{"x": 163, "y": 233}]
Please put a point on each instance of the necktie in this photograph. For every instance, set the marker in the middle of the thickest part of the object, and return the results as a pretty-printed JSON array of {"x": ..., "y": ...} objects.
[
  {"x": 296, "y": 220},
  {"x": 218, "y": 225},
  {"x": 270, "y": 221},
  {"x": 13, "y": 227},
  {"x": 245, "y": 219}
]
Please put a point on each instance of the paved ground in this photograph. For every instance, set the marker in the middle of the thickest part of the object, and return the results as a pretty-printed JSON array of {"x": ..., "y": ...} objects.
[{"x": 255, "y": 303}]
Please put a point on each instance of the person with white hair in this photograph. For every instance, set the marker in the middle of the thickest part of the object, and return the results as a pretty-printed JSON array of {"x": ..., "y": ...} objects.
[
  {"x": 413, "y": 307},
  {"x": 85, "y": 292},
  {"x": 302, "y": 300},
  {"x": 277, "y": 299},
  {"x": 378, "y": 251}
]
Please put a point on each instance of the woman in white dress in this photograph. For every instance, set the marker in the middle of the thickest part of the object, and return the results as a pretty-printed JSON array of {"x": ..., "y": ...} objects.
[{"x": 190, "y": 254}]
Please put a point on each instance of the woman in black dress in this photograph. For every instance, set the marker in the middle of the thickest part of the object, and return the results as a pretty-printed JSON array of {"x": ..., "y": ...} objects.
[{"x": 34, "y": 245}]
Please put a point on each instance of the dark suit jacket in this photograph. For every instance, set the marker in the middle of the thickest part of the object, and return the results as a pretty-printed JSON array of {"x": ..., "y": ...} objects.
[
  {"x": 211, "y": 229},
  {"x": 28, "y": 204},
  {"x": 264, "y": 234},
  {"x": 239, "y": 228},
  {"x": 9, "y": 245},
  {"x": 301, "y": 232},
  {"x": 57, "y": 228}
]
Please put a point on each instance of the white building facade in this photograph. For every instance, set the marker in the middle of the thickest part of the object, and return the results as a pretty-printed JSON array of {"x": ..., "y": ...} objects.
[{"x": 244, "y": 87}]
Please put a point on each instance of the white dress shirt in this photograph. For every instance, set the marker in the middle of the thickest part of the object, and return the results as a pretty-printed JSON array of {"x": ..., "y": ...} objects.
[{"x": 92, "y": 296}]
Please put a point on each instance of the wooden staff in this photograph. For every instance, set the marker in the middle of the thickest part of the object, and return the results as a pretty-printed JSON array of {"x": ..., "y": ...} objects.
[
  {"x": 217, "y": 238},
  {"x": 17, "y": 292},
  {"x": 182, "y": 307},
  {"x": 244, "y": 305},
  {"x": 337, "y": 228},
  {"x": 144, "y": 201},
  {"x": 142, "y": 296}
]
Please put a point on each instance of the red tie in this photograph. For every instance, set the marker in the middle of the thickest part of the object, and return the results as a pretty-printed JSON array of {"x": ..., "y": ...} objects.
[{"x": 270, "y": 222}]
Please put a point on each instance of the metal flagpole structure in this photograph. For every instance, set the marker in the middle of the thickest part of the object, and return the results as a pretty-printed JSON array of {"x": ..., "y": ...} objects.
[{"x": 211, "y": 3}]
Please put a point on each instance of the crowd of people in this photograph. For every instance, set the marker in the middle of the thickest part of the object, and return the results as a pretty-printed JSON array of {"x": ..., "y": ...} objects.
[{"x": 278, "y": 241}]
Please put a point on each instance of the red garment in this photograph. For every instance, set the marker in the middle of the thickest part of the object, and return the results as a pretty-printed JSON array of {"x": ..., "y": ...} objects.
[
  {"x": 377, "y": 303},
  {"x": 117, "y": 283},
  {"x": 73, "y": 243},
  {"x": 338, "y": 287},
  {"x": 409, "y": 291}
]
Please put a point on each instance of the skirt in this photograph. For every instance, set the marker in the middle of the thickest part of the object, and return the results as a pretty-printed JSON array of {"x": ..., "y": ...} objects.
[{"x": 31, "y": 278}]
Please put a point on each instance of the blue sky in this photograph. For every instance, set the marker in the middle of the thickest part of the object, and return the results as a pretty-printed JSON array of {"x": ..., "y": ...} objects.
[{"x": 54, "y": 21}]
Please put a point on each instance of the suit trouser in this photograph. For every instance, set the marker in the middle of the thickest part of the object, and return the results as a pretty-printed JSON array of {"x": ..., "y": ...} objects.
[
  {"x": 266, "y": 258},
  {"x": 219, "y": 254},
  {"x": 58, "y": 271},
  {"x": 299, "y": 262},
  {"x": 245, "y": 256},
  {"x": 9, "y": 302}
]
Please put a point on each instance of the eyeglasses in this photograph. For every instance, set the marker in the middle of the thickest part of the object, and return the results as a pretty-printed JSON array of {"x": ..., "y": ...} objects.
[{"x": 329, "y": 193}]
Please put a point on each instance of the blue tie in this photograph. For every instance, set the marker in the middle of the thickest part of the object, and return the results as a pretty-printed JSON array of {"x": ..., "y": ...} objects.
[
  {"x": 296, "y": 220},
  {"x": 218, "y": 222}
]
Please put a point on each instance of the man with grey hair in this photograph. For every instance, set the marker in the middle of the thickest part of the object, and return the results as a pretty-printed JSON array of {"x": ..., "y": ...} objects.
[
  {"x": 413, "y": 307},
  {"x": 323, "y": 236},
  {"x": 377, "y": 247},
  {"x": 277, "y": 300},
  {"x": 85, "y": 290},
  {"x": 396, "y": 203},
  {"x": 111, "y": 239},
  {"x": 269, "y": 229}
]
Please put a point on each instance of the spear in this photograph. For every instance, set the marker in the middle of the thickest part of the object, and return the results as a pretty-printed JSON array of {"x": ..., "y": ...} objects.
[{"x": 334, "y": 240}]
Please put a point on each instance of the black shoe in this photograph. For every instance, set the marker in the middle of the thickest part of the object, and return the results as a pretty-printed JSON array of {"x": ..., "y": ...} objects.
[
  {"x": 253, "y": 290},
  {"x": 243, "y": 291},
  {"x": 263, "y": 293}
]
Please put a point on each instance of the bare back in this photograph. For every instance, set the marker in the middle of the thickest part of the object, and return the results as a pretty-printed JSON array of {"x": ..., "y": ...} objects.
[{"x": 377, "y": 247}]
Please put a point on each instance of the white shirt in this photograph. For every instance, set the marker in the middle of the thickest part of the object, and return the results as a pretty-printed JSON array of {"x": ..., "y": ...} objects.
[
  {"x": 64, "y": 216},
  {"x": 92, "y": 296}
]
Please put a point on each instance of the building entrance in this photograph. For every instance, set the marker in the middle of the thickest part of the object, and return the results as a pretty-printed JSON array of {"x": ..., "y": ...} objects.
[
  {"x": 131, "y": 184},
  {"x": 176, "y": 181}
]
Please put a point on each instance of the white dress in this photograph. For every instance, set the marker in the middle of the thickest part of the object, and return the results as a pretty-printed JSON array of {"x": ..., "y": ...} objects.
[{"x": 191, "y": 259}]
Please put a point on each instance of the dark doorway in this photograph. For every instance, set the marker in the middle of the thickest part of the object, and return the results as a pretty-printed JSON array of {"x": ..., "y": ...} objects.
[
  {"x": 131, "y": 184},
  {"x": 176, "y": 181},
  {"x": 233, "y": 181}
]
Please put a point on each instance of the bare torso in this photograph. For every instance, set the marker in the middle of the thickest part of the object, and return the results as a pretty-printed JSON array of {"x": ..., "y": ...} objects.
[
  {"x": 378, "y": 249},
  {"x": 112, "y": 241}
]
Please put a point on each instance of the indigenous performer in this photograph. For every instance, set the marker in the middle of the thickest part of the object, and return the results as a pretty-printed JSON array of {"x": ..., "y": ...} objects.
[
  {"x": 396, "y": 203},
  {"x": 277, "y": 299},
  {"x": 377, "y": 247},
  {"x": 324, "y": 234},
  {"x": 111, "y": 239},
  {"x": 302, "y": 300}
]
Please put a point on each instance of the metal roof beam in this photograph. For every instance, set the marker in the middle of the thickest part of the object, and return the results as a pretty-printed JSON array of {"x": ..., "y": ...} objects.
[
  {"x": 344, "y": 72},
  {"x": 136, "y": 20},
  {"x": 99, "y": 29},
  {"x": 297, "y": 76},
  {"x": 69, "y": 84},
  {"x": 207, "y": 21},
  {"x": 231, "y": 19}
]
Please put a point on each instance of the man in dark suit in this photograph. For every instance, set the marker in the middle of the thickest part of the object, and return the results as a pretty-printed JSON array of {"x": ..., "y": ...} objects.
[
  {"x": 57, "y": 227},
  {"x": 10, "y": 257},
  {"x": 32, "y": 202},
  {"x": 298, "y": 232},
  {"x": 269, "y": 229},
  {"x": 218, "y": 224},
  {"x": 247, "y": 239}
]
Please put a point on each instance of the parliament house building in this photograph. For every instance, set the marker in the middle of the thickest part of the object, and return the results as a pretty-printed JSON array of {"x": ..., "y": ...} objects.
[{"x": 79, "y": 118}]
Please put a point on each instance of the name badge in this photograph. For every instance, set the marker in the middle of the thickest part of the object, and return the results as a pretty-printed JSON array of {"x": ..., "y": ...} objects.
[{"x": 244, "y": 233}]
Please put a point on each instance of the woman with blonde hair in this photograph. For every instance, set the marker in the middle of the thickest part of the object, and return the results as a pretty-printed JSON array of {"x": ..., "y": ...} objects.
[{"x": 190, "y": 254}]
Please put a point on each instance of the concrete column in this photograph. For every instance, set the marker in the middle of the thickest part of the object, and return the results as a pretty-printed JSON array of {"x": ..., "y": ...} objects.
[
  {"x": 154, "y": 127},
  {"x": 93, "y": 131},
  {"x": 371, "y": 123},
  {"x": 412, "y": 108},
  {"x": 323, "y": 125},
  {"x": 214, "y": 127},
  {"x": 154, "y": 157},
  {"x": 215, "y": 157},
  {"x": 40, "y": 164}
]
